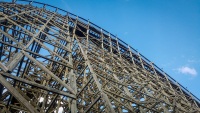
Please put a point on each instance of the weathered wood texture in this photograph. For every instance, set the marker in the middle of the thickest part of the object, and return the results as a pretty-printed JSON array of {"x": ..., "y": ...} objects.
[{"x": 54, "y": 61}]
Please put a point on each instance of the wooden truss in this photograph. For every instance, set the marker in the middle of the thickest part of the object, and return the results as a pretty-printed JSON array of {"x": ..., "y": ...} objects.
[{"x": 54, "y": 61}]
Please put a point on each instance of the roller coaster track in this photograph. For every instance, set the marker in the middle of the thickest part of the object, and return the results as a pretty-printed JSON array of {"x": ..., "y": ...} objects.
[{"x": 54, "y": 61}]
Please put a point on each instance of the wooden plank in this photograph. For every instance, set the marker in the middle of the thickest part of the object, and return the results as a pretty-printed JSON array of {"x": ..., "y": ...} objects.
[
  {"x": 17, "y": 95},
  {"x": 48, "y": 72},
  {"x": 38, "y": 85}
]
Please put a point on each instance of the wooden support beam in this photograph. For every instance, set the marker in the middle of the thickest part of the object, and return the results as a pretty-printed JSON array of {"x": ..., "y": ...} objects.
[
  {"x": 8, "y": 75},
  {"x": 14, "y": 62},
  {"x": 72, "y": 78},
  {"x": 17, "y": 95},
  {"x": 104, "y": 96},
  {"x": 89, "y": 107},
  {"x": 79, "y": 56},
  {"x": 49, "y": 72},
  {"x": 3, "y": 67}
]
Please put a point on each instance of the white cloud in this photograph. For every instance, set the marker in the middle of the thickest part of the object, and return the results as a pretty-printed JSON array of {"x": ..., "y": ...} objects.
[{"x": 187, "y": 70}]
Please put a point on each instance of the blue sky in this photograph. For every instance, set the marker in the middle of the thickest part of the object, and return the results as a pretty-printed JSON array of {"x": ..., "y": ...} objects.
[{"x": 167, "y": 32}]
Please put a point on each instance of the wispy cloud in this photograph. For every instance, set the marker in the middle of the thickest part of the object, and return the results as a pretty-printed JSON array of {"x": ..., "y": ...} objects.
[{"x": 187, "y": 70}]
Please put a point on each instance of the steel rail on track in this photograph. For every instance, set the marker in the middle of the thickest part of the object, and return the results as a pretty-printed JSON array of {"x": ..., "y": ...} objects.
[{"x": 113, "y": 37}]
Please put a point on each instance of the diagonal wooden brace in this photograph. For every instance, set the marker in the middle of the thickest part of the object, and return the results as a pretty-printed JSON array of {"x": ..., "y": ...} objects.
[{"x": 17, "y": 95}]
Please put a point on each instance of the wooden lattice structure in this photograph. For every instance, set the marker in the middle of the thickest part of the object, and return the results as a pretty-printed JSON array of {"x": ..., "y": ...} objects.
[{"x": 54, "y": 61}]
